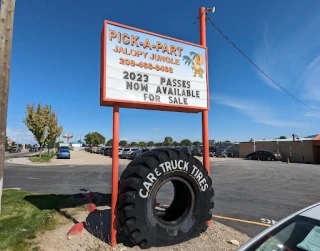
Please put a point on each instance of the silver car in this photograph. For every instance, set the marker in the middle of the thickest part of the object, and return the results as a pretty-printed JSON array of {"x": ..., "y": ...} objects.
[
  {"x": 297, "y": 232},
  {"x": 127, "y": 152}
]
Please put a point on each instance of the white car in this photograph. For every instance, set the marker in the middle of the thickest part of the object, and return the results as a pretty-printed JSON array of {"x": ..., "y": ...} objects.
[{"x": 297, "y": 232}]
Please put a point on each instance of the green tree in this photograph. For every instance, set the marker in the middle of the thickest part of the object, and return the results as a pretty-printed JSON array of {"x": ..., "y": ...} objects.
[
  {"x": 158, "y": 144},
  {"x": 123, "y": 143},
  {"x": 79, "y": 141},
  {"x": 196, "y": 143},
  {"x": 282, "y": 137},
  {"x": 29, "y": 146},
  {"x": 228, "y": 141},
  {"x": 186, "y": 142},
  {"x": 13, "y": 143},
  {"x": 251, "y": 140},
  {"x": 42, "y": 122},
  {"x": 175, "y": 143},
  {"x": 109, "y": 142},
  {"x": 94, "y": 138},
  {"x": 7, "y": 142},
  {"x": 150, "y": 143},
  {"x": 142, "y": 144},
  {"x": 19, "y": 145},
  {"x": 167, "y": 141},
  {"x": 133, "y": 144}
]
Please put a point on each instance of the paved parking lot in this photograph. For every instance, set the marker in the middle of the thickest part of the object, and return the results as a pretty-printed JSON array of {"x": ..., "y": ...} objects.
[{"x": 258, "y": 191}]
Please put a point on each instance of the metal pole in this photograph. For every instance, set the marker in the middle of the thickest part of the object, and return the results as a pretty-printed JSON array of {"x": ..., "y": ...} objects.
[
  {"x": 205, "y": 114},
  {"x": 115, "y": 176}
]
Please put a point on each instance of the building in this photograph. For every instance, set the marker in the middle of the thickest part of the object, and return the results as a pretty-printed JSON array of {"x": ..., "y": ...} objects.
[{"x": 302, "y": 150}]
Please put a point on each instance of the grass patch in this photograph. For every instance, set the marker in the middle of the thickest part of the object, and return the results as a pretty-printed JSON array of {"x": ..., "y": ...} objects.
[
  {"x": 24, "y": 215},
  {"x": 45, "y": 157}
]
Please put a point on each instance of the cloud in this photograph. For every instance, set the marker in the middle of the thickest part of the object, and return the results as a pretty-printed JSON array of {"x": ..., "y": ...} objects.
[
  {"x": 23, "y": 136},
  {"x": 289, "y": 52},
  {"x": 258, "y": 112},
  {"x": 312, "y": 114},
  {"x": 156, "y": 129}
]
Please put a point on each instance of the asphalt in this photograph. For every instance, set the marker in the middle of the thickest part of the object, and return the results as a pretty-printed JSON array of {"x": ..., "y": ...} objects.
[{"x": 257, "y": 191}]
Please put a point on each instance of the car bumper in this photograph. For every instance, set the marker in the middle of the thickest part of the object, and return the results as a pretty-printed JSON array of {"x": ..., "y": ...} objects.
[{"x": 63, "y": 156}]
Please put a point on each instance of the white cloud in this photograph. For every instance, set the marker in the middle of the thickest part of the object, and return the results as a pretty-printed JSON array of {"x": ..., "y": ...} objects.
[
  {"x": 312, "y": 114},
  {"x": 258, "y": 112},
  {"x": 290, "y": 54}
]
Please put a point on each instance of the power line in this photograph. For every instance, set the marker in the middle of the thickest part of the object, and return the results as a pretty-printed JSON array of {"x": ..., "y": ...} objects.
[{"x": 255, "y": 65}]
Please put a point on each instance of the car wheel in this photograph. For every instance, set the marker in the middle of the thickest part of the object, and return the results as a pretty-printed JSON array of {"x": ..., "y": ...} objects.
[
  {"x": 269, "y": 158},
  {"x": 191, "y": 207},
  {"x": 249, "y": 157}
]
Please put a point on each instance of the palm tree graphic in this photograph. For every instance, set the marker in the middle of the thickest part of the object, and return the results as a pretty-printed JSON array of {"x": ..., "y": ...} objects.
[{"x": 196, "y": 60}]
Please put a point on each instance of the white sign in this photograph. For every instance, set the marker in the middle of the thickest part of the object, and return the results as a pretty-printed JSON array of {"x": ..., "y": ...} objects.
[
  {"x": 67, "y": 135},
  {"x": 141, "y": 68}
]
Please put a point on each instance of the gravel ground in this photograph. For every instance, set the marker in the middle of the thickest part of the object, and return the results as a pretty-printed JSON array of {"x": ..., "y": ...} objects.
[{"x": 216, "y": 238}]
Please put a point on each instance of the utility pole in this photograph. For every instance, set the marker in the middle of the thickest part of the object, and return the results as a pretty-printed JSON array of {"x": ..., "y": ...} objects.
[{"x": 6, "y": 31}]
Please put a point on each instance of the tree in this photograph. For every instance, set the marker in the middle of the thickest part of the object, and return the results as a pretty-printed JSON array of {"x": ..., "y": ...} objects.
[
  {"x": 133, "y": 144},
  {"x": 142, "y": 144},
  {"x": 228, "y": 141},
  {"x": 175, "y": 143},
  {"x": 79, "y": 141},
  {"x": 158, "y": 144},
  {"x": 123, "y": 143},
  {"x": 168, "y": 141},
  {"x": 94, "y": 138},
  {"x": 19, "y": 145},
  {"x": 150, "y": 143},
  {"x": 13, "y": 143},
  {"x": 43, "y": 124},
  {"x": 109, "y": 142},
  {"x": 29, "y": 146},
  {"x": 7, "y": 142},
  {"x": 196, "y": 143},
  {"x": 251, "y": 140},
  {"x": 282, "y": 137},
  {"x": 186, "y": 142}
]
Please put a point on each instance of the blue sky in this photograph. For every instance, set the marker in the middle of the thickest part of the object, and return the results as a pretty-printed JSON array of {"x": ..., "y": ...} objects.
[{"x": 56, "y": 53}]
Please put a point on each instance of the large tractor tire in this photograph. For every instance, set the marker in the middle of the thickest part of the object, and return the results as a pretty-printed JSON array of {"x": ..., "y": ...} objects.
[{"x": 191, "y": 206}]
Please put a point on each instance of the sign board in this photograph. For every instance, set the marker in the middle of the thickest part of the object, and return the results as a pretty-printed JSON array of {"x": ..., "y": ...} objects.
[
  {"x": 143, "y": 70},
  {"x": 67, "y": 135}
]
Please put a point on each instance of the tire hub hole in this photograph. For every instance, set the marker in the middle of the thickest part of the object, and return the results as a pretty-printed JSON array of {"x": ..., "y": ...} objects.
[{"x": 175, "y": 198}]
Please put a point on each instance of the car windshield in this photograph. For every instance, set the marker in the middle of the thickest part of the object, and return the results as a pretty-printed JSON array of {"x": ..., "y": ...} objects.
[
  {"x": 64, "y": 150},
  {"x": 300, "y": 233},
  {"x": 126, "y": 149}
]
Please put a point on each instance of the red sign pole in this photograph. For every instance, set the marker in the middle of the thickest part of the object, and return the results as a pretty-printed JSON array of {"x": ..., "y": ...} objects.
[
  {"x": 115, "y": 176},
  {"x": 205, "y": 119}
]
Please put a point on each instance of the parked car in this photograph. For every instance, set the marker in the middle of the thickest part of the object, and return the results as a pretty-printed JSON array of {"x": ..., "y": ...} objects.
[
  {"x": 33, "y": 149},
  {"x": 93, "y": 149},
  {"x": 145, "y": 150},
  {"x": 186, "y": 149},
  {"x": 108, "y": 151},
  {"x": 264, "y": 155},
  {"x": 15, "y": 149},
  {"x": 127, "y": 152},
  {"x": 98, "y": 150},
  {"x": 101, "y": 150},
  {"x": 197, "y": 151},
  {"x": 223, "y": 153},
  {"x": 299, "y": 231},
  {"x": 212, "y": 151},
  {"x": 135, "y": 154},
  {"x": 63, "y": 154},
  {"x": 63, "y": 148},
  {"x": 120, "y": 151}
]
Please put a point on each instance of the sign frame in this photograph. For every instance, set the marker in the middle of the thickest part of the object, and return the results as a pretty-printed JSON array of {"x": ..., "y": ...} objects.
[{"x": 140, "y": 104}]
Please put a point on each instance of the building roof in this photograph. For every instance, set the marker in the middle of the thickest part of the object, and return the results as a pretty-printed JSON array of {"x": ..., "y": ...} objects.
[{"x": 311, "y": 137}]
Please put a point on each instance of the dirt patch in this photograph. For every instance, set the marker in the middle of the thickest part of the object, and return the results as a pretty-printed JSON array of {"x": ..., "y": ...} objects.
[
  {"x": 95, "y": 236},
  {"x": 86, "y": 158}
]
